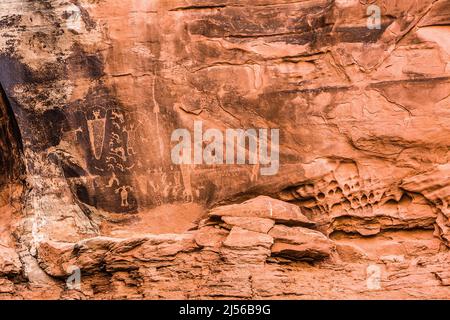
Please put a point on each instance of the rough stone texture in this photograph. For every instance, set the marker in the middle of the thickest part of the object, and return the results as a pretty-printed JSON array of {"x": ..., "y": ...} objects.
[
  {"x": 300, "y": 243},
  {"x": 91, "y": 90}
]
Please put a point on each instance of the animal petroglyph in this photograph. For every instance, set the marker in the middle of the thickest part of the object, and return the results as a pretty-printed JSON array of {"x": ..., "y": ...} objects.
[{"x": 113, "y": 180}]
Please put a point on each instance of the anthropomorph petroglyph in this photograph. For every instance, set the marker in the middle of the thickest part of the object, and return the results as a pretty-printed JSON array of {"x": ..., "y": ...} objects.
[
  {"x": 96, "y": 128},
  {"x": 124, "y": 192}
]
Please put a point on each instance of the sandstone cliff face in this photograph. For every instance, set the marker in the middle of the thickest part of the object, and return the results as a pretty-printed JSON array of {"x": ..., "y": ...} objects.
[{"x": 91, "y": 91}]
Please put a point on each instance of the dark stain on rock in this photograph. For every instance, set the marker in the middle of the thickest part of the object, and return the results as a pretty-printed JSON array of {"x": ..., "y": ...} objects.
[
  {"x": 312, "y": 25},
  {"x": 10, "y": 21},
  {"x": 79, "y": 64},
  {"x": 13, "y": 72},
  {"x": 360, "y": 34},
  {"x": 39, "y": 131},
  {"x": 82, "y": 64},
  {"x": 104, "y": 144},
  {"x": 7, "y": 113}
]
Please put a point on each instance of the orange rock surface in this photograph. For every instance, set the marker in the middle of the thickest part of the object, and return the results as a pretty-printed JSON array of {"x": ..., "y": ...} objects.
[{"x": 92, "y": 205}]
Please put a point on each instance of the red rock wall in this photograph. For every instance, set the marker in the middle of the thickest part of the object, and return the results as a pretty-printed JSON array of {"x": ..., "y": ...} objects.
[{"x": 95, "y": 88}]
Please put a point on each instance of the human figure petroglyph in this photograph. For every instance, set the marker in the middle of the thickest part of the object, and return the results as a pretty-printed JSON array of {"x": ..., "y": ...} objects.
[
  {"x": 124, "y": 192},
  {"x": 96, "y": 128}
]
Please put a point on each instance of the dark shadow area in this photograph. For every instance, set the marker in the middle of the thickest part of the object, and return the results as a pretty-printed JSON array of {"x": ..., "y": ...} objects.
[{"x": 11, "y": 147}]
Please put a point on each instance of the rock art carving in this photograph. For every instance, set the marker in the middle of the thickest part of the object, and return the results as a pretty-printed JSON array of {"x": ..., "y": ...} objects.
[
  {"x": 123, "y": 192},
  {"x": 96, "y": 128}
]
